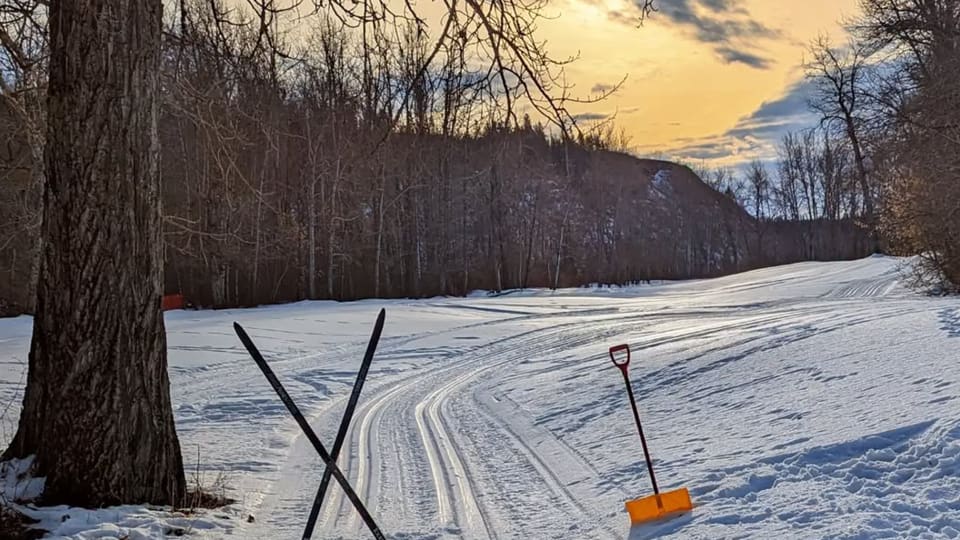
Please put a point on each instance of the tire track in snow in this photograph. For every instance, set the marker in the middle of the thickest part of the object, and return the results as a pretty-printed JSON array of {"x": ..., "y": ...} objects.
[
  {"x": 435, "y": 430},
  {"x": 443, "y": 454},
  {"x": 363, "y": 437},
  {"x": 362, "y": 479},
  {"x": 445, "y": 458},
  {"x": 429, "y": 422},
  {"x": 487, "y": 459},
  {"x": 545, "y": 468},
  {"x": 393, "y": 401}
]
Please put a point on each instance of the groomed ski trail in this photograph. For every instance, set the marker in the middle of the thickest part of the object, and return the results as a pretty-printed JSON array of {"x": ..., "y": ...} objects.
[
  {"x": 439, "y": 435},
  {"x": 502, "y": 418}
]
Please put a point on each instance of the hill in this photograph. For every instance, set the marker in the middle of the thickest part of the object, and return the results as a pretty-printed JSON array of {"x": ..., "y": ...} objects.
[{"x": 422, "y": 215}]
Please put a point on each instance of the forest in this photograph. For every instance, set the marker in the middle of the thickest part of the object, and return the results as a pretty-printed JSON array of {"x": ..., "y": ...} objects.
[{"x": 306, "y": 157}]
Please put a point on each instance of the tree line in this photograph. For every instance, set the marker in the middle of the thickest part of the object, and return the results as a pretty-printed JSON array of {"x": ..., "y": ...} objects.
[
  {"x": 886, "y": 149},
  {"x": 341, "y": 164},
  {"x": 812, "y": 178}
]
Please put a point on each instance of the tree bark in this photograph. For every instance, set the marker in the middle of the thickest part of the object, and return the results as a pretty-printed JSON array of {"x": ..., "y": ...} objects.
[
  {"x": 312, "y": 239},
  {"x": 97, "y": 410}
]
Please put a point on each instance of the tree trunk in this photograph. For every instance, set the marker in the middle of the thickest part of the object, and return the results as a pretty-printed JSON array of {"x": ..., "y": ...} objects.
[
  {"x": 312, "y": 239},
  {"x": 556, "y": 276},
  {"x": 97, "y": 410},
  {"x": 256, "y": 245},
  {"x": 859, "y": 160},
  {"x": 379, "y": 253},
  {"x": 311, "y": 211}
]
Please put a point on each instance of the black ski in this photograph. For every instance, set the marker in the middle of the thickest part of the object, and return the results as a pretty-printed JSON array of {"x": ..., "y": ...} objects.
[
  {"x": 345, "y": 423},
  {"x": 308, "y": 431}
]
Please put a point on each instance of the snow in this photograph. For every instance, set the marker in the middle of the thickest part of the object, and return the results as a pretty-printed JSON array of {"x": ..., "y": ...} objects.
[
  {"x": 17, "y": 482},
  {"x": 661, "y": 178},
  {"x": 19, "y": 489},
  {"x": 130, "y": 522},
  {"x": 661, "y": 183},
  {"x": 812, "y": 400}
]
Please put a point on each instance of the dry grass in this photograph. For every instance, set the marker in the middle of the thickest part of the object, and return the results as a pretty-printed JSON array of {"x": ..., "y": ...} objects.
[
  {"x": 204, "y": 492},
  {"x": 213, "y": 495}
]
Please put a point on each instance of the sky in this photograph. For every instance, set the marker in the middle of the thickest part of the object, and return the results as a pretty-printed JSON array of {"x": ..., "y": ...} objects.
[{"x": 709, "y": 82}]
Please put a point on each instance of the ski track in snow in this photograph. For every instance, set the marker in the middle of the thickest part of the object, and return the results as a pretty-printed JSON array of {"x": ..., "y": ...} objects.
[{"x": 815, "y": 400}]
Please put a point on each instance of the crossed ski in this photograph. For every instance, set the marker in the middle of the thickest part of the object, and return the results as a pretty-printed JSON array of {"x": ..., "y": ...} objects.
[{"x": 330, "y": 459}]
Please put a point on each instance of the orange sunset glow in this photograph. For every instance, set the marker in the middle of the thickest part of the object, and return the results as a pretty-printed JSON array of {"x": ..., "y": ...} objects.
[{"x": 715, "y": 81}]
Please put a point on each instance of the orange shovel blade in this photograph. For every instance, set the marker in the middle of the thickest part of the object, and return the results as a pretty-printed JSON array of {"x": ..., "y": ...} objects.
[{"x": 659, "y": 506}]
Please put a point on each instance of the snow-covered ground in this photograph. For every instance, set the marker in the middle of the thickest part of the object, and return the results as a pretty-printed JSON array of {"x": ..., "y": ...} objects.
[{"x": 813, "y": 400}]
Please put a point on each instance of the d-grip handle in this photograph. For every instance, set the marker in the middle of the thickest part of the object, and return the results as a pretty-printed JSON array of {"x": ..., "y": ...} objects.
[{"x": 626, "y": 359}]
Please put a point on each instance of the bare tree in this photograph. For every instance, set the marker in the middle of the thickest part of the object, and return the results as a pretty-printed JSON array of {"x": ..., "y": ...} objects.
[
  {"x": 838, "y": 75},
  {"x": 921, "y": 106},
  {"x": 23, "y": 62},
  {"x": 97, "y": 410},
  {"x": 23, "y": 73},
  {"x": 832, "y": 170},
  {"x": 758, "y": 182},
  {"x": 725, "y": 180}
]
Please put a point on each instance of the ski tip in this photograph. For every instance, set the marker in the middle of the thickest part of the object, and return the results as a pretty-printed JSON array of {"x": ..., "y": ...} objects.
[{"x": 238, "y": 329}]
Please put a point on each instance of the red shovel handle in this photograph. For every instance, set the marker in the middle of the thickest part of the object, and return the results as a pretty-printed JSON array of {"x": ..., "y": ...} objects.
[{"x": 626, "y": 359}]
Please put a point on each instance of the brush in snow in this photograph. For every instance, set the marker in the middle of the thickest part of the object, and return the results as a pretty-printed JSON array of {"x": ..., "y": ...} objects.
[
  {"x": 329, "y": 461},
  {"x": 659, "y": 505}
]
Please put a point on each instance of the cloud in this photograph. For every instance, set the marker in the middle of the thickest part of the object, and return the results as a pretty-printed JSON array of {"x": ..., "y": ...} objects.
[
  {"x": 602, "y": 88},
  {"x": 589, "y": 117},
  {"x": 734, "y": 56},
  {"x": 724, "y": 6},
  {"x": 725, "y": 25},
  {"x": 789, "y": 112},
  {"x": 717, "y": 148},
  {"x": 755, "y": 136}
]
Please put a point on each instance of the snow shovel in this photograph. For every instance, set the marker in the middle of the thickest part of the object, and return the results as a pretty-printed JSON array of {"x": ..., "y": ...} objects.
[{"x": 659, "y": 505}]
